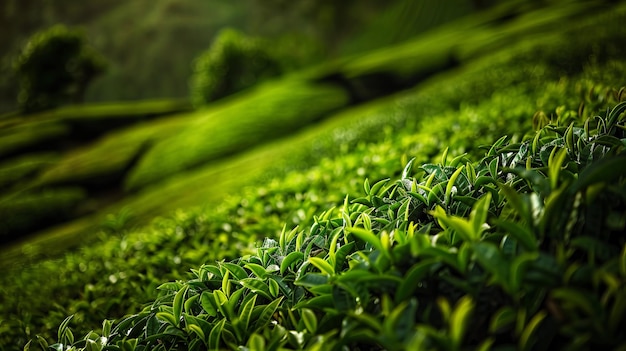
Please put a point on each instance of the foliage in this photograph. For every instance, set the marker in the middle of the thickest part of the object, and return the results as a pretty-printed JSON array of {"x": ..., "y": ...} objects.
[
  {"x": 55, "y": 67},
  {"x": 122, "y": 270},
  {"x": 232, "y": 63},
  {"x": 268, "y": 111},
  {"x": 521, "y": 249}
]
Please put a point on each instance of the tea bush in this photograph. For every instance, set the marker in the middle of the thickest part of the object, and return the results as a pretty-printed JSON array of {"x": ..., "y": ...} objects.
[
  {"x": 55, "y": 68},
  {"x": 232, "y": 63},
  {"x": 523, "y": 249}
]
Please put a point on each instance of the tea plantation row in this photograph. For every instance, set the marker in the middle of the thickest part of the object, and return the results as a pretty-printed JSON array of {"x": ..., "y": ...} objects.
[{"x": 521, "y": 250}]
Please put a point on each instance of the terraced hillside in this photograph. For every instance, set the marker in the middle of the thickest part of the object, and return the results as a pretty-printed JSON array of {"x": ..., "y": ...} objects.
[{"x": 435, "y": 101}]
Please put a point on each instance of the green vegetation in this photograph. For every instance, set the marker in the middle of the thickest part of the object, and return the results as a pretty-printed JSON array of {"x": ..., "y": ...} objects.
[
  {"x": 234, "y": 62},
  {"x": 55, "y": 68},
  {"x": 497, "y": 253},
  {"x": 386, "y": 225}
]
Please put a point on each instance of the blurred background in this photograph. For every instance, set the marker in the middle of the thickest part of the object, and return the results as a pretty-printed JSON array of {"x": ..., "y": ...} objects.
[{"x": 151, "y": 45}]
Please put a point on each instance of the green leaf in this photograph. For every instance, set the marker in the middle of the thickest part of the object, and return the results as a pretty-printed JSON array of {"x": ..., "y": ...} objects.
[
  {"x": 236, "y": 271},
  {"x": 490, "y": 258},
  {"x": 215, "y": 334},
  {"x": 368, "y": 237},
  {"x": 526, "y": 338},
  {"x": 63, "y": 327},
  {"x": 226, "y": 283},
  {"x": 444, "y": 156},
  {"x": 309, "y": 319},
  {"x": 106, "y": 328},
  {"x": 516, "y": 201},
  {"x": 368, "y": 320},
  {"x": 569, "y": 137},
  {"x": 493, "y": 167},
  {"x": 614, "y": 116},
  {"x": 197, "y": 330},
  {"x": 42, "y": 342},
  {"x": 257, "y": 269},
  {"x": 322, "y": 265},
  {"x": 366, "y": 186},
  {"x": 578, "y": 299},
  {"x": 478, "y": 216},
  {"x": 406, "y": 172},
  {"x": 207, "y": 301},
  {"x": 267, "y": 313},
  {"x": 291, "y": 258},
  {"x": 167, "y": 317},
  {"x": 401, "y": 321},
  {"x": 555, "y": 162},
  {"x": 171, "y": 286},
  {"x": 177, "y": 305},
  {"x": 460, "y": 318},
  {"x": 376, "y": 188},
  {"x": 319, "y": 302},
  {"x": 341, "y": 254},
  {"x": 246, "y": 312},
  {"x": 518, "y": 269},
  {"x": 190, "y": 302},
  {"x": 257, "y": 286},
  {"x": 523, "y": 235},
  {"x": 451, "y": 183},
  {"x": 412, "y": 279},
  {"x": 256, "y": 343},
  {"x": 605, "y": 170},
  {"x": 461, "y": 226},
  {"x": 502, "y": 320},
  {"x": 274, "y": 288},
  {"x": 221, "y": 301},
  {"x": 312, "y": 279}
]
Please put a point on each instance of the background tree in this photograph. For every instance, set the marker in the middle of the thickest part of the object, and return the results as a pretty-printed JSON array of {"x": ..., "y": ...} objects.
[
  {"x": 232, "y": 63},
  {"x": 55, "y": 68}
]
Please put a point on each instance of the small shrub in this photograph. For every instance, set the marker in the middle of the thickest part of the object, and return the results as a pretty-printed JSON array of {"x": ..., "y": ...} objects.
[
  {"x": 55, "y": 68},
  {"x": 232, "y": 63}
]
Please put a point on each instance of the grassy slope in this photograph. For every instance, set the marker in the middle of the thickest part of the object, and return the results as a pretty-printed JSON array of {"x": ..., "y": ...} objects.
[
  {"x": 174, "y": 153},
  {"x": 486, "y": 98}
]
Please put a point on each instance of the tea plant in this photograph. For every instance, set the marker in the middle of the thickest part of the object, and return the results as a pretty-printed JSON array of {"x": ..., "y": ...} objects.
[{"x": 523, "y": 249}]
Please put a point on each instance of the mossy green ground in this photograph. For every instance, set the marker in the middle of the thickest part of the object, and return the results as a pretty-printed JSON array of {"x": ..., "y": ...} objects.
[{"x": 463, "y": 108}]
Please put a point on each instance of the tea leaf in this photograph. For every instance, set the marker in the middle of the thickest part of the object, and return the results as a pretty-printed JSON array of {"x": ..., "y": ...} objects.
[
  {"x": 267, "y": 313},
  {"x": 310, "y": 321},
  {"x": 215, "y": 334},
  {"x": 290, "y": 259},
  {"x": 525, "y": 340},
  {"x": 459, "y": 319},
  {"x": 322, "y": 265}
]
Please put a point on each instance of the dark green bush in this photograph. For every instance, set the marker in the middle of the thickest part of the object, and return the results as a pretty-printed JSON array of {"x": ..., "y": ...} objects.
[
  {"x": 232, "y": 63},
  {"x": 55, "y": 68},
  {"x": 521, "y": 250}
]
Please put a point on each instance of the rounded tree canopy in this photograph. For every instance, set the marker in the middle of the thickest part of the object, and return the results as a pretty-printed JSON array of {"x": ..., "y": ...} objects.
[{"x": 55, "y": 68}]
